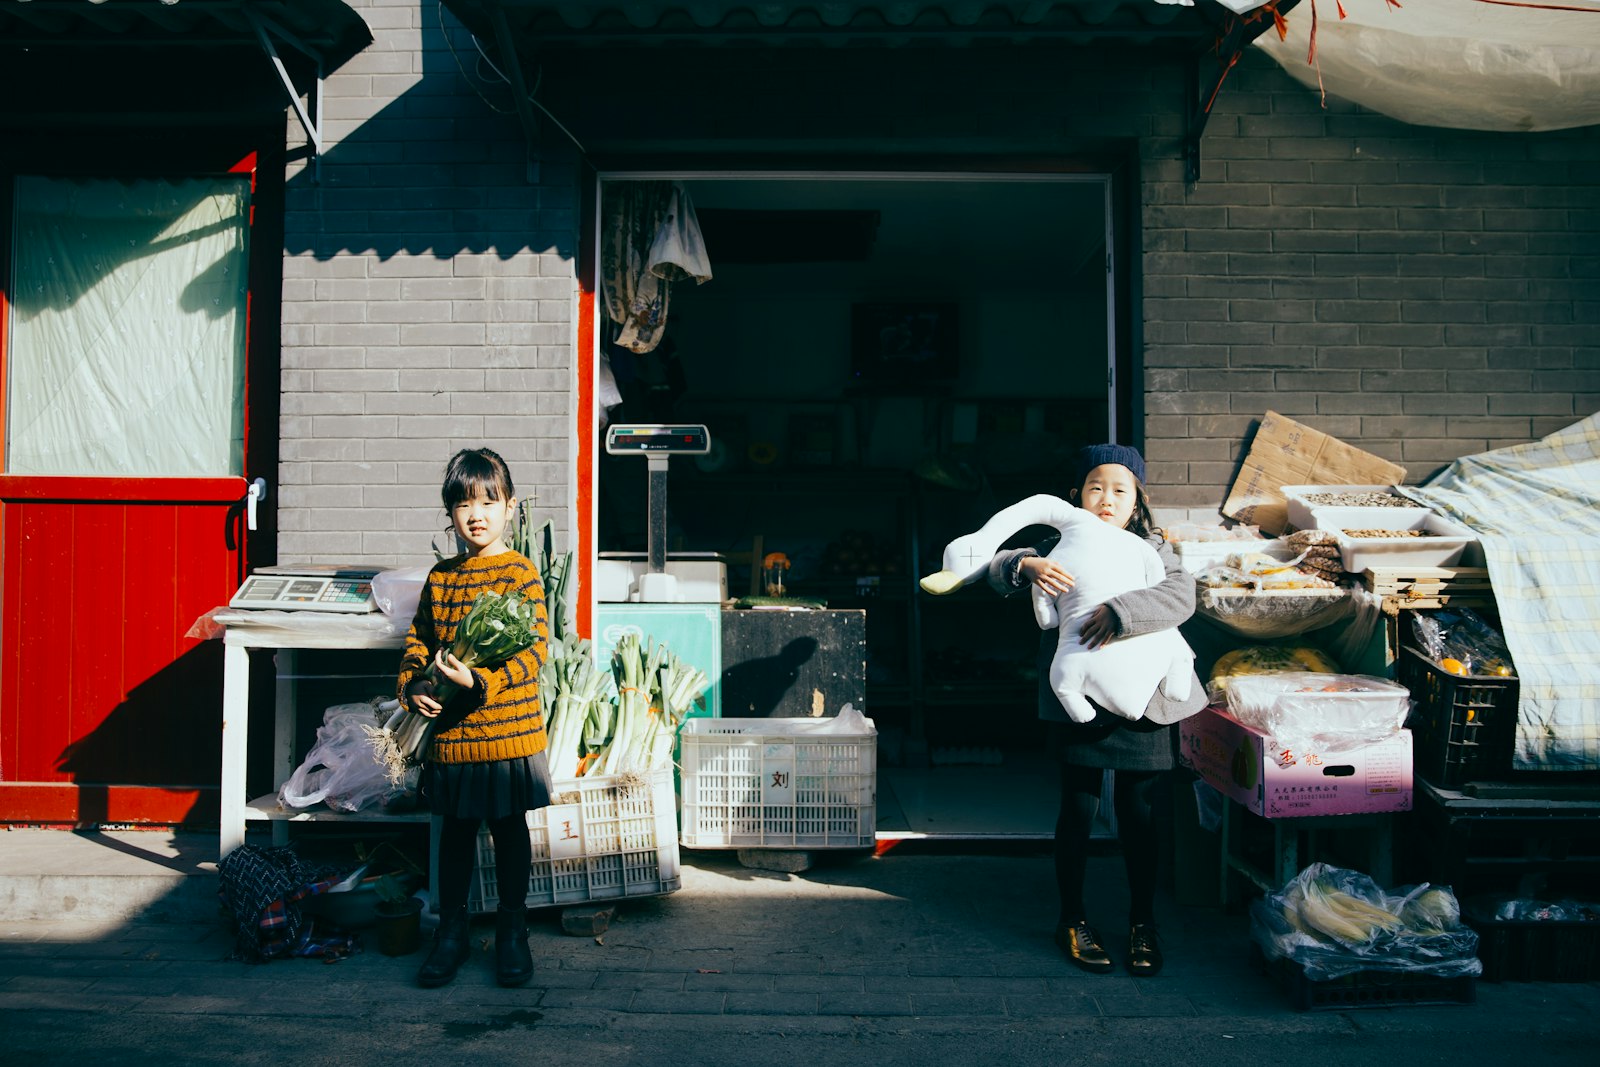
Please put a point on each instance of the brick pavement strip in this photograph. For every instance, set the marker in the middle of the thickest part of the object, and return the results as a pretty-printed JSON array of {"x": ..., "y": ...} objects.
[
  {"x": 1146, "y": 1006},
  {"x": 771, "y": 1004},
  {"x": 909, "y": 983},
  {"x": 957, "y": 1004},
  {"x": 864, "y": 1004},
  {"x": 1050, "y": 1005},
  {"x": 818, "y": 983},
  {"x": 663, "y": 1002},
  {"x": 727, "y": 983}
]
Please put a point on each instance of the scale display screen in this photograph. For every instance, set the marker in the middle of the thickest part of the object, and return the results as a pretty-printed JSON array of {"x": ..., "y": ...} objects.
[
  {"x": 292, "y": 592},
  {"x": 658, "y": 440}
]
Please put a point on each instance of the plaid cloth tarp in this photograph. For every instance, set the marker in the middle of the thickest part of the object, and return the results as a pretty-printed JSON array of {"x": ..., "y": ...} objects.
[{"x": 1536, "y": 509}]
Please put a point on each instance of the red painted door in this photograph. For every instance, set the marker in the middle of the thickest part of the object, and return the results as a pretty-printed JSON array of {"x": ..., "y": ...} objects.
[{"x": 122, "y": 502}]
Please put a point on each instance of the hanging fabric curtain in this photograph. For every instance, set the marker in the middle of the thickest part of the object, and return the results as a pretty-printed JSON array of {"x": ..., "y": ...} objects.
[
  {"x": 650, "y": 238},
  {"x": 128, "y": 327}
]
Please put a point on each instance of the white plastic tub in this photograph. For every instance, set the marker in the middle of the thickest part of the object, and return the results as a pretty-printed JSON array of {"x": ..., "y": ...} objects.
[
  {"x": 1300, "y": 517},
  {"x": 1444, "y": 548}
]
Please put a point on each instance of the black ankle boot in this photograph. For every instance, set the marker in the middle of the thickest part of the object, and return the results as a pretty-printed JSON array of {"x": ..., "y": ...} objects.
[
  {"x": 513, "y": 961},
  {"x": 452, "y": 944}
]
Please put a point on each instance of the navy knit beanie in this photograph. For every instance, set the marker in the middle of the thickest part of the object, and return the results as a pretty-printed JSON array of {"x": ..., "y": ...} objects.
[{"x": 1092, "y": 456}]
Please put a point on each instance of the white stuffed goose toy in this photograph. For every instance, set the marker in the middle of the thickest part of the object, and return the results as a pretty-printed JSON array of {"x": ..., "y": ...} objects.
[{"x": 1121, "y": 675}]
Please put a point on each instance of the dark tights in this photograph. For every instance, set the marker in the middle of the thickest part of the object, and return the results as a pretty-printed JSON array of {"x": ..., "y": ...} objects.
[
  {"x": 458, "y": 859},
  {"x": 1080, "y": 803}
]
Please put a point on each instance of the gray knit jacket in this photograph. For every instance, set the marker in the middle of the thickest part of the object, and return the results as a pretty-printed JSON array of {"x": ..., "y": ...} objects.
[{"x": 1161, "y": 607}]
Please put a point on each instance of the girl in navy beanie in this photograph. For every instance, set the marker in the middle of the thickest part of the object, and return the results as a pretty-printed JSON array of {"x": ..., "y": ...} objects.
[{"x": 1108, "y": 481}]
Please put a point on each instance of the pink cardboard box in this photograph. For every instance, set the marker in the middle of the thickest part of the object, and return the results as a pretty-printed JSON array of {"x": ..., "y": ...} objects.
[{"x": 1245, "y": 765}]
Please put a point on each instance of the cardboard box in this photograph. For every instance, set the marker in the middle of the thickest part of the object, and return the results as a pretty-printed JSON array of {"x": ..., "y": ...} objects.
[
  {"x": 1245, "y": 765},
  {"x": 1284, "y": 452}
]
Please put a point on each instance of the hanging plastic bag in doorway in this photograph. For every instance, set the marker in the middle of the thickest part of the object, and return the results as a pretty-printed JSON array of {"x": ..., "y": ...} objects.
[{"x": 342, "y": 769}]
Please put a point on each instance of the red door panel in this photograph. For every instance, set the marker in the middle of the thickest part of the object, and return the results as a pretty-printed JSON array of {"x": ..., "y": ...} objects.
[{"x": 97, "y": 686}]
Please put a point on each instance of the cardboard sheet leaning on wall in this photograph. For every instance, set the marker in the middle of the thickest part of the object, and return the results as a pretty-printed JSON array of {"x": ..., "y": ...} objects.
[{"x": 1285, "y": 452}]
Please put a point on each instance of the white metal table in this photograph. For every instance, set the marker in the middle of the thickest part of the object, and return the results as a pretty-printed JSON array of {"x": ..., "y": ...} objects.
[{"x": 287, "y": 632}]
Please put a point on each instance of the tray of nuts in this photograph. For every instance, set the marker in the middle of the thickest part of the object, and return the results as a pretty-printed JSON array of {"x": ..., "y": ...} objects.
[
  {"x": 1301, "y": 500},
  {"x": 1423, "y": 540}
]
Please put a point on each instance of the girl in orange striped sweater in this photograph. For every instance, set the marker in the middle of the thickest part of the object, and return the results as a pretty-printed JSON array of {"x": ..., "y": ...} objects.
[{"x": 486, "y": 761}]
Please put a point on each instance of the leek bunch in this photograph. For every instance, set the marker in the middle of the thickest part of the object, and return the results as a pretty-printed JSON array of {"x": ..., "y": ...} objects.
[
  {"x": 572, "y": 689},
  {"x": 655, "y": 690},
  {"x": 498, "y": 626},
  {"x": 554, "y": 569}
]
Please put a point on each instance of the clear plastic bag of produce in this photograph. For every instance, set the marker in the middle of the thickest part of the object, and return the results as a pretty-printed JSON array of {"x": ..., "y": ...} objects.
[
  {"x": 398, "y": 592},
  {"x": 1461, "y": 642},
  {"x": 1334, "y": 921},
  {"x": 1320, "y": 712},
  {"x": 342, "y": 770}
]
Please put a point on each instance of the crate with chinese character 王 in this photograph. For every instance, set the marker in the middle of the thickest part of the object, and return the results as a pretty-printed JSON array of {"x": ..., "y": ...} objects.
[
  {"x": 604, "y": 838},
  {"x": 779, "y": 783}
]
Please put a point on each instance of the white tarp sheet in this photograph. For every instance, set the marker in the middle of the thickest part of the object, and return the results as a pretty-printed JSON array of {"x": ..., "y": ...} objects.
[{"x": 1463, "y": 64}]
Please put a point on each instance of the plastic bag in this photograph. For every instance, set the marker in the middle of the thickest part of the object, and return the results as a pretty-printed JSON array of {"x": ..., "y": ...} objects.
[
  {"x": 1461, "y": 642},
  {"x": 342, "y": 769},
  {"x": 848, "y": 722},
  {"x": 1251, "y": 616},
  {"x": 398, "y": 592},
  {"x": 1320, "y": 712},
  {"x": 1334, "y": 921}
]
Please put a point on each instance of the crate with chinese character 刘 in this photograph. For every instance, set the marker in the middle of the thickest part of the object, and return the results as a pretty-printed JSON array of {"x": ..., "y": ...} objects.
[
  {"x": 778, "y": 783},
  {"x": 604, "y": 838}
]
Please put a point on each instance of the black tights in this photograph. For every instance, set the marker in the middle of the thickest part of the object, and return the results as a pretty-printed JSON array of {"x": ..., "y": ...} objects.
[
  {"x": 1080, "y": 802},
  {"x": 458, "y": 859}
]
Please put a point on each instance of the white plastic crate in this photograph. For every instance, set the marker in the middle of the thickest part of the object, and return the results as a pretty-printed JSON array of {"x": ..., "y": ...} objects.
[
  {"x": 778, "y": 783},
  {"x": 613, "y": 840}
]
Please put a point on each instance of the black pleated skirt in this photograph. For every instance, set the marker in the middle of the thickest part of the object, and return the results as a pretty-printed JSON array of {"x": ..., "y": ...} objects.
[
  {"x": 1110, "y": 741},
  {"x": 493, "y": 790}
]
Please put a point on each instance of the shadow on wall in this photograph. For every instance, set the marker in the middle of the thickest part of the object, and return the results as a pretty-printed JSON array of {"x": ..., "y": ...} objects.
[{"x": 445, "y": 168}]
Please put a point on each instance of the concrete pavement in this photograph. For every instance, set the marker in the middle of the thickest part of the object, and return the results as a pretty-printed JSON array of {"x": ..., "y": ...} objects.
[{"x": 900, "y": 958}]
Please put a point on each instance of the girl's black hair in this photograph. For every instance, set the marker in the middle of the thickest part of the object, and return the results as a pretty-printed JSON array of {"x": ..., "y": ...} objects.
[{"x": 476, "y": 470}]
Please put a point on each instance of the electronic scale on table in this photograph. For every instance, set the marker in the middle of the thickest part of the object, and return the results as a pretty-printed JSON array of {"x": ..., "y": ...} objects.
[{"x": 308, "y": 587}]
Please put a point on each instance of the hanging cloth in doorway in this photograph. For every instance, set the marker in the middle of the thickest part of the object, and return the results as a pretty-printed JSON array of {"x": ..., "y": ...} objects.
[{"x": 650, "y": 238}]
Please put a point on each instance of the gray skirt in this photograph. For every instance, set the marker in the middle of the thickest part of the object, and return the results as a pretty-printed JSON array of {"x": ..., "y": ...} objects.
[{"x": 495, "y": 790}]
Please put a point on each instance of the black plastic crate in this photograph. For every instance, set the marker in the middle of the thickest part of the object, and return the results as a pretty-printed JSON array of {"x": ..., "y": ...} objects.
[
  {"x": 1368, "y": 989},
  {"x": 1537, "y": 951},
  {"x": 1463, "y": 726}
]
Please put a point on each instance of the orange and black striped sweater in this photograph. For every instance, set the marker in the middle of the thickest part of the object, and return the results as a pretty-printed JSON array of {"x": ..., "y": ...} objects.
[{"x": 506, "y": 720}]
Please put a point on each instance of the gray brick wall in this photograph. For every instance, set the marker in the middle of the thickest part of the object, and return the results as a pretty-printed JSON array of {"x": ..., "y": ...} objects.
[
  {"x": 1421, "y": 293},
  {"x": 427, "y": 296}
]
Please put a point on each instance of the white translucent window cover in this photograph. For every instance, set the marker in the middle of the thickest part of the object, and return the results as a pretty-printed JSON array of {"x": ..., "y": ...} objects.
[
  {"x": 1506, "y": 65},
  {"x": 126, "y": 352}
]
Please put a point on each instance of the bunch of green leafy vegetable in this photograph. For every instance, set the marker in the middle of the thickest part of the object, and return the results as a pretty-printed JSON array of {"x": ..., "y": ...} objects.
[{"x": 498, "y": 626}]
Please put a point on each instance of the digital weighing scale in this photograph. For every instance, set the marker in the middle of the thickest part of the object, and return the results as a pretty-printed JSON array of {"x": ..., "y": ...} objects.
[
  {"x": 308, "y": 587},
  {"x": 657, "y": 442}
]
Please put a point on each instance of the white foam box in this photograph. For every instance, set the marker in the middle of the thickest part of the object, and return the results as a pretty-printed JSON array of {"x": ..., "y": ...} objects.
[
  {"x": 777, "y": 783},
  {"x": 609, "y": 836},
  {"x": 1444, "y": 546},
  {"x": 699, "y": 581},
  {"x": 1299, "y": 508},
  {"x": 1245, "y": 765}
]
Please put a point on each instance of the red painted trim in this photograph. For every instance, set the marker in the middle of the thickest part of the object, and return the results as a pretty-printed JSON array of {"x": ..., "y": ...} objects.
[
  {"x": 584, "y": 551},
  {"x": 89, "y": 805},
  {"x": 77, "y": 490},
  {"x": 93, "y": 805}
]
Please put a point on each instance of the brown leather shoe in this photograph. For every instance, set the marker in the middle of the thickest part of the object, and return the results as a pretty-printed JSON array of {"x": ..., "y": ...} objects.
[
  {"x": 1082, "y": 946},
  {"x": 1144, "y": 951}
]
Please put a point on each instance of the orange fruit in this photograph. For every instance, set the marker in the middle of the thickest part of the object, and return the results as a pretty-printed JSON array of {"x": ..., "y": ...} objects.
[{"x": 1454, "y": 666}]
